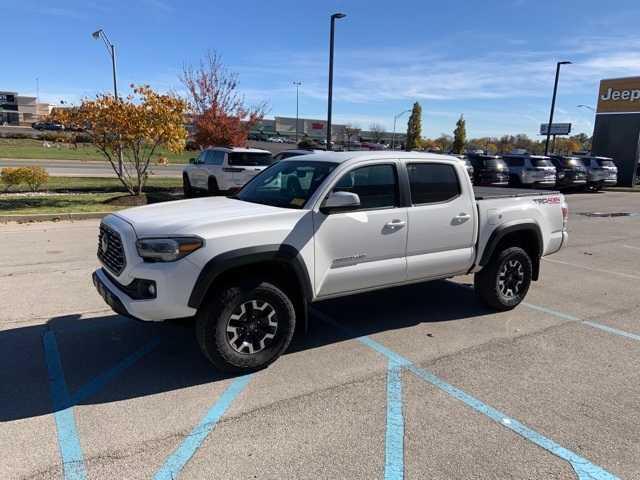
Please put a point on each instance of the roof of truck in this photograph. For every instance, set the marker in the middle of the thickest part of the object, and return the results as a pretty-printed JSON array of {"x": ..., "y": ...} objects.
[{"x": 340, "y": 157}]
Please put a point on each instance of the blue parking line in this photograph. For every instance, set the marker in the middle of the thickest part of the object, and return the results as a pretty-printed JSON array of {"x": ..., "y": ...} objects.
[
  {"x": 394, "y": 439},
  {"x": 68, "y": 440},
  {"x": 585, "y": 470},
  {"x": 600, "y": 326},
  {"x": 172, "y": 467},
  {"x": 93, "y": 386}
]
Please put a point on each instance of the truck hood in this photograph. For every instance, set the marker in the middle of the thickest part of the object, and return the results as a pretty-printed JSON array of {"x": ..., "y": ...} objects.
[{"x": 190, "y": 216}]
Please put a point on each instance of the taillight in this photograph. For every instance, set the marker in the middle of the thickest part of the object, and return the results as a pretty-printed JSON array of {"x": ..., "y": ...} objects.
[{"x": 565, "y": 215}]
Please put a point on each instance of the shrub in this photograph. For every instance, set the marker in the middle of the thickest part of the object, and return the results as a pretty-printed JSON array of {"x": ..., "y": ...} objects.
[
  {"x": 82, "y": 138},
  {"x": 34, "y": 177},
  {"x": 11, "y": 177},
  {"x": 54, "y": 137}
]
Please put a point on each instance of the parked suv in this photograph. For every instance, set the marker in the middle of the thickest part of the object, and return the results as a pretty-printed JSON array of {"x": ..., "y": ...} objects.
[
  {"x": 488, "y": 170},
  {"x": 220, "y": 169},
  {"x": 530, "y": 170},
  {"x": 294, "y": 153},
  {"x": 601, "y": 171},
  {"x": 570, "y": 172},
  {"x": 467, "y": 165}
]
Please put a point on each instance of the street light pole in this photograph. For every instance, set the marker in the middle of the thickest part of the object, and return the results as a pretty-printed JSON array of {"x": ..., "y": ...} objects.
[
  {"x": 393, "y": 136},
  {"x": 553, "y": 105},
  {"x": 297, "y": 84},
  {"x": 330, "y": 95},
  {"x": 111, "y": 49}
]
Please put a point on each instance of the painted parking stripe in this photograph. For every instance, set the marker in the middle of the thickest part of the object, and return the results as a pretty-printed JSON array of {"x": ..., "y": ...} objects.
[
  {"x": 394, "y": 438},
  {"x": 575, "y": 265},
  {"x": 98, "y": 383},
  {"x": 68, "y": 440},
  {"x": 597, "y": 325},
  {"x": 172, "y": 467},
  {"x": 585, "y": 470}
]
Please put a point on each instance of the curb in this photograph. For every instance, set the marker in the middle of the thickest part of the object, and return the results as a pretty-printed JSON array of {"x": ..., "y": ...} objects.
[
  {"x": 623, "y": 189},
  {"x": 52, "y": 217}
]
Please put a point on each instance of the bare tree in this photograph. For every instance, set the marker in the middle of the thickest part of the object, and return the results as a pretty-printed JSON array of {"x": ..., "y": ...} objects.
[
  {"x": 377, "y": 131},
  {"x": 350, "y": 131}
]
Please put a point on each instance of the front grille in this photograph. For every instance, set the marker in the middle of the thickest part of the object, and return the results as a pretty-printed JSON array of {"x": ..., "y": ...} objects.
[{"x": 110, "y": 251}]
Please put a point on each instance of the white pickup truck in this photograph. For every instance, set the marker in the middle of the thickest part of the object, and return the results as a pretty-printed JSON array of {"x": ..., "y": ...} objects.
[{"x": 316, "y": 227}]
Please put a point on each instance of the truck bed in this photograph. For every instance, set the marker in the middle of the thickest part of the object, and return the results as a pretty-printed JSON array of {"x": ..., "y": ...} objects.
[{"x": 486, "y": 193}]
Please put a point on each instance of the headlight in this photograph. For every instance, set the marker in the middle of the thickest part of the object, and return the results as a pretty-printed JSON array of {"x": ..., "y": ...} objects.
[{"x": 167, "y": 249}]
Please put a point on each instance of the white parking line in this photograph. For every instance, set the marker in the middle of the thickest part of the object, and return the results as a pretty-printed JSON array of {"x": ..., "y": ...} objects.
[
  {"x": 610, "y": 272},
  {"x": 631, "y": 247}
]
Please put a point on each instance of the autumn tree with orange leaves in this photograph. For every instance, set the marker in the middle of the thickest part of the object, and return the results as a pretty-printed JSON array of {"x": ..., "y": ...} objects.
[
  {"x": 220, "y": 116},
  {"x": 134, "y": 128}
]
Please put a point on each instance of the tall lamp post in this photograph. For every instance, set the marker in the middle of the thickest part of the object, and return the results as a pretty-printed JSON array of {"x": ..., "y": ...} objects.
[
  {"x": 297, "y": 84},
  {"x": 111, "y": 49},
  {"x": 393, "y": 136},
  {"x": 553, "y": 104},
  {"x": 330, "y": 96}
]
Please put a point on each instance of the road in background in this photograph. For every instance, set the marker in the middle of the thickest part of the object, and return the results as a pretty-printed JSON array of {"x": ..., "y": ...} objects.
[
  {"x": 79, "y": 168},
  {"x": 144, "y": 402}
]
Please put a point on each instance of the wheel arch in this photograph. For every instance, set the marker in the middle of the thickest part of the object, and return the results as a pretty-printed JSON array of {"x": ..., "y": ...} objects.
[
  {"x": 280, "y": 263},
  {"x": 526, "y": 235}
]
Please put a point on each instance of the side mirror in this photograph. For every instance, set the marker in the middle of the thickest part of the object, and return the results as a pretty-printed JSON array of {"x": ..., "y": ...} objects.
[{"x": 340, "y": 202}]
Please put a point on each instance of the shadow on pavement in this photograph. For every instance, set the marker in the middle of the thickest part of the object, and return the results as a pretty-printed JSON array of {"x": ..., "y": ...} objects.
[{"x": 88, "y": 347}]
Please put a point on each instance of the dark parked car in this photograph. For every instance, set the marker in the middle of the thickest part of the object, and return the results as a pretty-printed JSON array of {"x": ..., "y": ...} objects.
[
  {"x": 294, "y": 153},
  {"x": 489, "y": 170},
  {"x": 47, "y": 126},
  {"x": 570, "y": 172}
]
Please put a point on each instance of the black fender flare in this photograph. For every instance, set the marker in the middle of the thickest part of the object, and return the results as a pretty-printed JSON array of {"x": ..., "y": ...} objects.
[
  {"x": 241, "y": 257},
  {"x": 502, "y": 231}
]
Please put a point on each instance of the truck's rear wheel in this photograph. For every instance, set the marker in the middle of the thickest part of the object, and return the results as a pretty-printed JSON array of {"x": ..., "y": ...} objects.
[
  {"x": 187, "y": 189},
  {"x": 245, "y": 328},
  {"x": 504, "y": 282}
]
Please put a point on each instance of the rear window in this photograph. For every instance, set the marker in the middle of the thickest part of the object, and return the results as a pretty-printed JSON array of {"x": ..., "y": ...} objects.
[
  {"x": 496, "y": 164},
  {"x": 541, "y": 162},
  {"x": 605, "y": 163},
  {"x": 251, "y": 159},
  {"x": 586, "y": 162}
]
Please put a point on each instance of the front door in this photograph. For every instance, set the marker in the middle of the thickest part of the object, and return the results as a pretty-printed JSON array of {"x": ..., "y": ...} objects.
[
  {"x": 442, "y": 221},
  {"x": 362, "y": 248}
]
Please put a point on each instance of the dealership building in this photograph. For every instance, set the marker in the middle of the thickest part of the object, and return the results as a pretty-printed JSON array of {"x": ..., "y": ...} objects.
[
  {"x": 317, "y": 130},
  {"x": 20, "y": 110},
  {"x": 616, "y": 133}
]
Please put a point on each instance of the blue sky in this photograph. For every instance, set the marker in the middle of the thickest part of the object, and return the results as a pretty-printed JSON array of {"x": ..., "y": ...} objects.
[{"x": 493, "y": 61}]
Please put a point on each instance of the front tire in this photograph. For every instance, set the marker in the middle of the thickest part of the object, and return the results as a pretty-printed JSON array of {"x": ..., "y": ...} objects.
[
  {"x": 246, "y": 327},
  {"x": 212, "y": 186},
  {"x": 187, "y": 189},
  {"x": 505, "y": 281}
]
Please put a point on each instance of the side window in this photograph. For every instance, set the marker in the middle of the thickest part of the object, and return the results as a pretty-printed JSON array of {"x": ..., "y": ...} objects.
[
  {"x": 432, "y": 182},
  {"x": 376, "y": 185},
  {"x": 214, "y": 157},
  {"x": 201, "y": 157},
  {"x": 514, "y": 162}
]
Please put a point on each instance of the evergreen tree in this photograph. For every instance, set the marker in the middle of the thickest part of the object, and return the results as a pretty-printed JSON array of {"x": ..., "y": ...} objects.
[
  {"x": 460, "y": 135},
  {"x": 414, "y": 128}
]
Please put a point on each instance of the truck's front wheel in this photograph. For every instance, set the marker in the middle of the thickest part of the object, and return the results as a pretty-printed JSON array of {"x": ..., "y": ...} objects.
[
  {"x": 245, "y": 328},
  {"x": 504, "y": 282}
]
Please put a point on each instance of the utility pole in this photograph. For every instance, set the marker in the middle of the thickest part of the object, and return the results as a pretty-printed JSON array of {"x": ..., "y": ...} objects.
[
  {"x": 553, "y": 105},
  {"x": 297, "y": 84},
  {"x": 330, "y": 95}
]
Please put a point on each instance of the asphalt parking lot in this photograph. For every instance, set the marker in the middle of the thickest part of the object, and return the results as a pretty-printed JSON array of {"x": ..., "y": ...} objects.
[{"x": 420, "y": 382}]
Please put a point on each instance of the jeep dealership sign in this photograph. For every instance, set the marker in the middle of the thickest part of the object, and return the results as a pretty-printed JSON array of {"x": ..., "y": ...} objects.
[{"x": 619, "y": 95}]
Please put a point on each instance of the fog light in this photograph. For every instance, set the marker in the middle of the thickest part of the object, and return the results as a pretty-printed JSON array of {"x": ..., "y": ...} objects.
[{"x": 152, "y": 290}]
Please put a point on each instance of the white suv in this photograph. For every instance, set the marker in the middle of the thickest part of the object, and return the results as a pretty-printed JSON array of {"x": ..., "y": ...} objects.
[{"x": 221, "y": 169}]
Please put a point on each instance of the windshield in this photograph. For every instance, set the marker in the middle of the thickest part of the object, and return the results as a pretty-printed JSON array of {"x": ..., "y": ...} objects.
[
  {"x": 287, "y": 184},
  {"x": 251, "y": 159},
  {"x": 606, "y": 163},
  {"x": 541, "y": 162}
]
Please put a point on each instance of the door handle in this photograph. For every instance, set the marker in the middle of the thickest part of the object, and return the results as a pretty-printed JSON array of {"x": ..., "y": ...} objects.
[
  {"x": 461, "y": 218},
  {"x": 395, "y": 224}
]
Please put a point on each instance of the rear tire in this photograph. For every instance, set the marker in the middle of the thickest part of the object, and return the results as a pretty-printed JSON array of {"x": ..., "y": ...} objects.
[
  {"x": 186, "y": 186},
  {"x": 504, "y": 282},
  {"x": 246, "y": 327}
]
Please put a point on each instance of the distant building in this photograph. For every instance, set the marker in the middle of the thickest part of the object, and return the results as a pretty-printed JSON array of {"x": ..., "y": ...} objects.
[{"x": 20, "y": 110}]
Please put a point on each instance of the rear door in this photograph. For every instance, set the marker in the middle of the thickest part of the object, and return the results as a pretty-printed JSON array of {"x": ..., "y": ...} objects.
[
  {"x": 442, "y": 221},
  {"x": 362, "y": 248}
]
